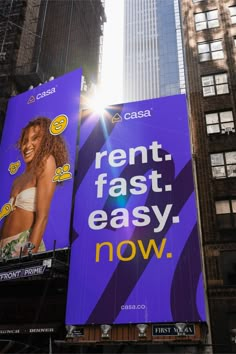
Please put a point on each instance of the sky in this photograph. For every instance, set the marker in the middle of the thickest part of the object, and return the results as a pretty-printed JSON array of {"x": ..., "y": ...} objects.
[{"x": 112, "y": 66}]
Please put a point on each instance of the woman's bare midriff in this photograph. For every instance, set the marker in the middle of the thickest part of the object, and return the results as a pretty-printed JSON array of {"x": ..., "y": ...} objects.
[{"x": 17, "y": 221}]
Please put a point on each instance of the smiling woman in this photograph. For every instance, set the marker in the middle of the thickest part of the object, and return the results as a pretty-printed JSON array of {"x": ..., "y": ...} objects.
[{"x": 33, "y": 190}]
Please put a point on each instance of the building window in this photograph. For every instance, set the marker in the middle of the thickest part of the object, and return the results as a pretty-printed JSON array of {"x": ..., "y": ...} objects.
[
  {"x": 226, "y": 213},
  {"x": 223, "y": 164},
  {"x": 204, "y": 20},
  {"x": 228, "y": 264},
  {"x": 215, "y": 85},
  {"x": 210, "y": 51},
  {"x": 220, "y": 122},
  {"x": 232, "y": 11}
]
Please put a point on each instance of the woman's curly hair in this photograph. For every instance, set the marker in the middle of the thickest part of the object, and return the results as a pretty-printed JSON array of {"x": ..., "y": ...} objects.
[{"x": 50, "y": 144}]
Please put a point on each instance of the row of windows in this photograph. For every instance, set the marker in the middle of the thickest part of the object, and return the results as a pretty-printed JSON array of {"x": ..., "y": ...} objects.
[
  {"x": 210, "y": 19},
  {"x": 223, "y": 164}
]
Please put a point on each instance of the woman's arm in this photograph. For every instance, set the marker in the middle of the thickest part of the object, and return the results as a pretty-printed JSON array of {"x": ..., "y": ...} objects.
[{"x": 45, "y": 191}]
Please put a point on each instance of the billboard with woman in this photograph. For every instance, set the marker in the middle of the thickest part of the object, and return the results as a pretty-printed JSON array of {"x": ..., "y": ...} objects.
[{"x": 37, "y": 165}]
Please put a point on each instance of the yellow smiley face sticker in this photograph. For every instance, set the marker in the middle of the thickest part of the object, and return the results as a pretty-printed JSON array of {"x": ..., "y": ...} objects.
[
  {"x": 14, "y": 167},
  {"x": 6, "y": 209},
  {"x": 58, "y": 124},
  {"x": 62, "y": 173}
]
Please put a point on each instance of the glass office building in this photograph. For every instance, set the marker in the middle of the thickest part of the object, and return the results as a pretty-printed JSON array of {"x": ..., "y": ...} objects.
[{"x": 153, "y": 56}]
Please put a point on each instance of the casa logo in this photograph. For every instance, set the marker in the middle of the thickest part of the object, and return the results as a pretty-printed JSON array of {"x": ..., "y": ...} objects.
[
  {"x": 42, "y": 94},
  {"x": 116, "y": 118},
  {"x": 31, "y": 100},
  {"x": 139, "y": 114},
  {"x": 131, "y": 115}
]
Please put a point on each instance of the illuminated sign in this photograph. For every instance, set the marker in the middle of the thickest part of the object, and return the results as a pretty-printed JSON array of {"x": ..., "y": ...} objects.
[
  {"x": 22, "y": 273},
  {"x": 37, "y": 157},
  {"x": 23, "y": 330},
  {"x": 135, "y": 251},
  {"x": 172, "y": 330}
]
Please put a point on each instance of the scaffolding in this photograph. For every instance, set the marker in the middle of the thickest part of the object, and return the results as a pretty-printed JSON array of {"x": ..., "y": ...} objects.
[
  {"x": 11, "y": 16},
  {"x": 11, "y": 22},
  {"x": 31, "y": 38},
  {"x": 43, "y": 38},
  {"x": 20, "y": 38}
]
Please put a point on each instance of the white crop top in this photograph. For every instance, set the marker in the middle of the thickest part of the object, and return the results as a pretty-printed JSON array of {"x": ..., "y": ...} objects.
[{"x": 26, "y": 199}]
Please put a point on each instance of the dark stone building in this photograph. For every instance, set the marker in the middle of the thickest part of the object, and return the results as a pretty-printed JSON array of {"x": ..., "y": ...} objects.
[
  {"x": 209, "y": 29},
  {"x": 40, "y": 39}
]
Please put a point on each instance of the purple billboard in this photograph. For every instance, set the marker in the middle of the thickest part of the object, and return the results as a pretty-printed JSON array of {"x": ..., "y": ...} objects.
[
  {"x": 135, "y": 251},
  {"x": 37, "y": 159}
]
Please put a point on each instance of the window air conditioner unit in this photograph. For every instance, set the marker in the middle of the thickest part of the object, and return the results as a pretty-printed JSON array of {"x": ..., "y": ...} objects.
[{"x": 228, "y": 130}]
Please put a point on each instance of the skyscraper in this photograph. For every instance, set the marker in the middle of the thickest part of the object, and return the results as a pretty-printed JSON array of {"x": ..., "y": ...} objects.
[{"x": 153, "y": 56}]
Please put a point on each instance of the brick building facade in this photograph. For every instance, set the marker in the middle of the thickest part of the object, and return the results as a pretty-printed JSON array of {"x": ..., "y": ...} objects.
[{"x": 209, "y": 29}]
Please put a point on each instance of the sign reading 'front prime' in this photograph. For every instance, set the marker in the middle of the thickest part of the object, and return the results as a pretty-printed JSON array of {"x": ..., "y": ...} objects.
[{"x": 135, "y": 251}]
